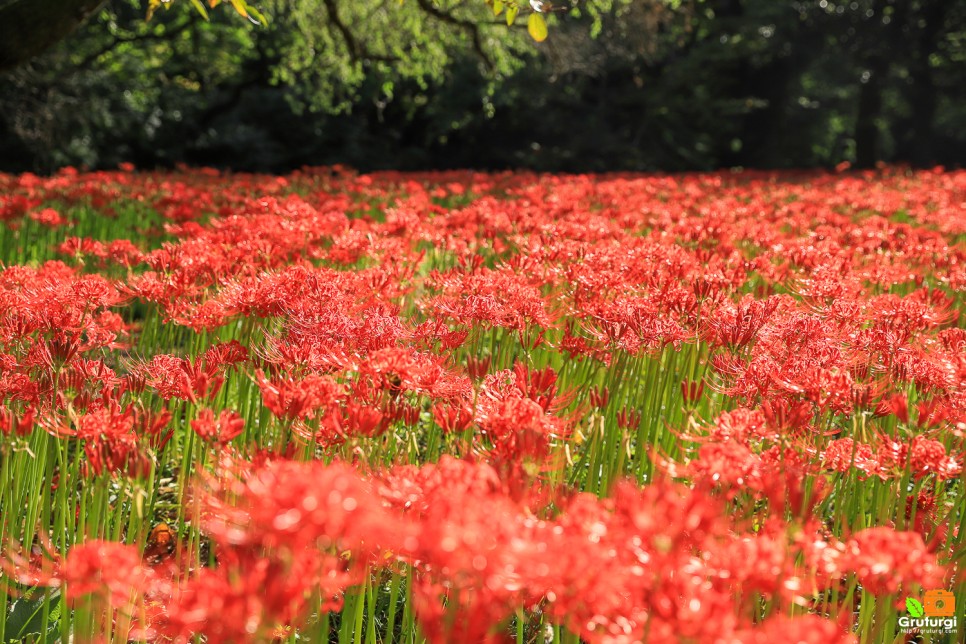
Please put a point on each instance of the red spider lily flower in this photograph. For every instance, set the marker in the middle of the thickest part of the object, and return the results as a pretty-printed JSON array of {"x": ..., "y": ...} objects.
[
  {"x": 498, "y": 299},
  {"x": 225, "y": 354},
  {"x": 519, "y": 428},
  {"x": 362, "y": 420},
  {"x": 931, "y": 412},
  {"x": 297, "y": 505},
  {"x": 541, "y": 387},
  {"x": 154, "y": 428},
  {"x": 730, "y": 464},
  {"x": 894, "y": 405},
  {"x": 805, "y": 629},
  {"x": 435, "y": 331},
  {"x": 293, "y": 399},
  {"x": 47, "y": 217},
  {"x": 923, "y": 456},
  {"x": 105, "y": 567},
  {"x": 742, "y": 425},
  {"x": 21, "y": 424},
  {"x": 691, "y": 391},
  {"x": 843, "y": 454},
  {"x": 110, "y": 443},
  {"x": 453, "y": 416},
  {"x": 736, "y": 325},
  {"x": 397, "y": 370},
  {"x": 783, "y": 415},
  {"x": 249, "y": 597},
  {"x": 599, "y": 397},
  {"x": 891, "y": 456},
  {"x": 885, "y": 561},
  {"x": 922, "y": 517},
  {"x": 477, "y": 367},
  {"x": 221, "y": 430},
  {"x": 183, "y": 378},
  {"x": 928, "y": 456},
  {"x": 109, "y": 571}
]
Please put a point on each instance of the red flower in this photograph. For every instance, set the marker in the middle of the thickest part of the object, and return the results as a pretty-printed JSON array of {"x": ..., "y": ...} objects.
[
  {"x": 221, "y": 430},
  {"x": 928, "y": 456},
  {"x": 886, "y": 561},
  {"x": 293, "y": 399}
]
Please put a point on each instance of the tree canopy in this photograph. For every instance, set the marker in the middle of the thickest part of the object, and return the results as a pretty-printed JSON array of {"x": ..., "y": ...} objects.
[
  {"x": 390, "y": 32},
  {"x": 621, "y": 84}
]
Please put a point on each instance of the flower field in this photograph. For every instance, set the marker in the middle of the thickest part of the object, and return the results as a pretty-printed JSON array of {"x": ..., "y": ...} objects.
[{"x": 459, "y": 407}]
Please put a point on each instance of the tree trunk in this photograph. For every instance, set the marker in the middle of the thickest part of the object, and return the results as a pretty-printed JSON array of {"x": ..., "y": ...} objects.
[
  {"x": 916, "y": 143},
  {"x": 29, "y": 27},
  {"x": 914, "y": 135},
  {"x": 882, "y": 42},
  {"x": 763, "y": 136},
  {"x": 870, "y": 106}
]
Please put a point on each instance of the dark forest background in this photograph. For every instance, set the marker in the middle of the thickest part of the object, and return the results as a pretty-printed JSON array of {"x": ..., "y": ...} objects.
[{"x": 647, "y": 85}]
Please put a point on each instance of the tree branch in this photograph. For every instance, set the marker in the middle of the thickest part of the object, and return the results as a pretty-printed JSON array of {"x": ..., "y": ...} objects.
[
  {"x": 91, "y": 58},
  {"x": 356, "y": 51},
  {"x": 471, "y": 28}
]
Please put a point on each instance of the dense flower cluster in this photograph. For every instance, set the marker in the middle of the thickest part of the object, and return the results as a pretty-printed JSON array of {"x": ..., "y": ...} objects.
[{"x": 469, "y": 408}]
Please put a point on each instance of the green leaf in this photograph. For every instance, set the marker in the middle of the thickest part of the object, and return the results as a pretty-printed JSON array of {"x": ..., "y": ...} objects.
[
  {"x": 914, "y": 606},
  {"x": 511, "y": 14},
  {"x": 537, "y": 27},
  {"x": 152, "y": 7},
  {"x": 240, "y": 7},
  {"x": 497, "y": 7},
  {"x": 201, "y": 8},
  {"x": 256, "y": 16},
  {"x": 25, "y": 617}
]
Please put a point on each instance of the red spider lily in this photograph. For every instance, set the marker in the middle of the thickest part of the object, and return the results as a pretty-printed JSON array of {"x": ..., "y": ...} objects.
[
  {"x": 362, "y": 420},
  {"x": 119, "y": 251},
  {"x": 931, "y": 412},
  {"x": 362, "y": 304},
  {"x": 110, "y": 442},
  {"x": 629, "y": 419},
  {"x": 21, "y": 424},
  {"x": 478, "y": 367},
  {"x": 885, "y": 560},
  {"x": 453, "y": 416},
  {"x": 295, "y": 505},
  {"x": 599, "y": 397},
  {"x": 518, "y": 430},
  {"x": 249, "y": 597},
  {"x": 928, "y": 456},
  {"x": 807, "y": 629},
  {"x": 895, "y": 405},
  {"x": 293, "y": 399},
  {"x": 183, "y": 378},
  {"x": 499, "y": 299},
  {"x": 787, "y": 416},
  {"x": 540, "y": 386},
  {"x": 843, "y": 454},
  {"x": 154, "y": 428},
  {"x": 221, "y": 430},
  {"x": 921, "y": 514},
  {"x": 735, "y": 326},
  {"x": 691, "y": 391},
  {"x": 107, "y": 577}
]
